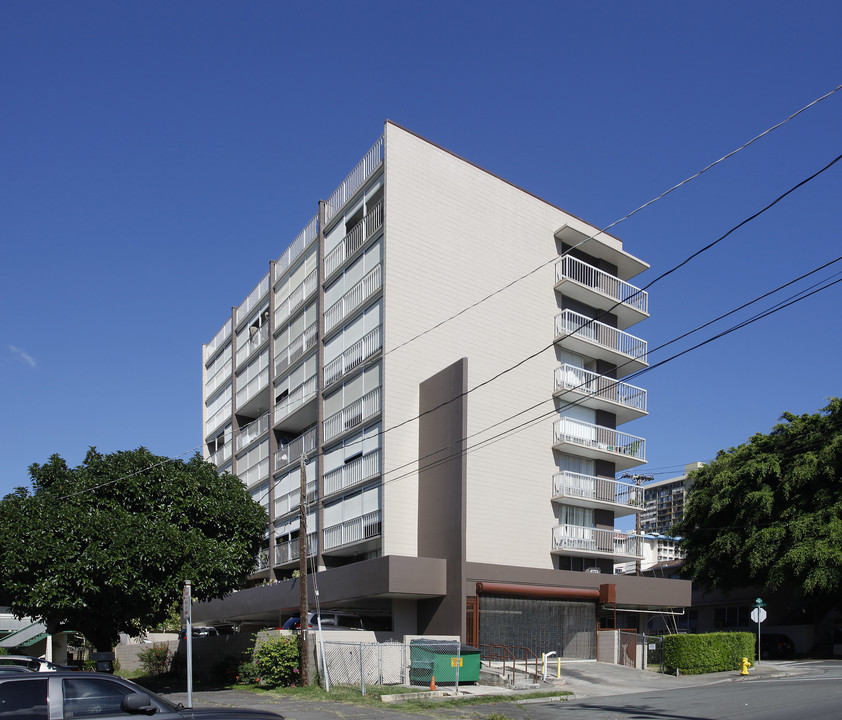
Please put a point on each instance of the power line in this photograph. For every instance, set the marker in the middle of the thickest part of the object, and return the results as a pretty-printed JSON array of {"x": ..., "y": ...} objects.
[
  {"x": 617, "y": 222},
  {"x": 552, "y": 412},
  {"x": 557, "y": 257}
]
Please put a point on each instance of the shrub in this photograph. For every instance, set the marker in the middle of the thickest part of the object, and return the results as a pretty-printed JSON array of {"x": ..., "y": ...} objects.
[
  {"x": 248, "y": 673},
  {"x": 155, "y": 660},
  {"x": 225, "y": 670},
  {"x": 708, "y": 652},
  {"x": 277, "y": 661}
]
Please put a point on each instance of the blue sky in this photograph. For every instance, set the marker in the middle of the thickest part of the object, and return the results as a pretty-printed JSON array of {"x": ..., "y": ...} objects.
[{"x": 154, "y": 156}]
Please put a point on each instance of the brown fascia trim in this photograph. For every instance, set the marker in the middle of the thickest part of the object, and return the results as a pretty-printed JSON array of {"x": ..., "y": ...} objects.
[
  {"x": 501, "y": 179},
  {"x": 537, "y": 591}
]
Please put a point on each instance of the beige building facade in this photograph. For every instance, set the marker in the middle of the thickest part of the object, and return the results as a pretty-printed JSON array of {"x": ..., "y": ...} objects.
[{"x": 448, "y": 353}]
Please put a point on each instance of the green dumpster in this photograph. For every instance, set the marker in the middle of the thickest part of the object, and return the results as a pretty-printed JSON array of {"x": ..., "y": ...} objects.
[{"x": 440, "y": 659}]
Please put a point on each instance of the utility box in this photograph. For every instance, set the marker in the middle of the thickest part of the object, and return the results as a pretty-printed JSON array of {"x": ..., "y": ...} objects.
[{"x": 440, "y": 659}]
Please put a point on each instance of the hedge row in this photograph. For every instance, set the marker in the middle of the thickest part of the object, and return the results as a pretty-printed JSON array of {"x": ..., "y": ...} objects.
[{"x": 709, "y": 652}]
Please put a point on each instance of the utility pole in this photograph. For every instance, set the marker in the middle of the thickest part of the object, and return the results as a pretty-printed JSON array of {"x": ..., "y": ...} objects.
[
  {"x": 303, "y": 611},
  {"x": 638, "y": 481}
]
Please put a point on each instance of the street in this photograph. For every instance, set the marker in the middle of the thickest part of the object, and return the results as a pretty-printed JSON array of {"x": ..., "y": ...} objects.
[{"x": 815, "y": 694}]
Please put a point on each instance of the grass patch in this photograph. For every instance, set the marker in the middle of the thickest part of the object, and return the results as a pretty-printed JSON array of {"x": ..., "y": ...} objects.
[{"x": 373, "y": 693}]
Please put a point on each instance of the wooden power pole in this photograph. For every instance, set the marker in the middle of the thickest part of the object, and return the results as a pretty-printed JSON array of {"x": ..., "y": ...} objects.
[{"x": 304, "y": 610}]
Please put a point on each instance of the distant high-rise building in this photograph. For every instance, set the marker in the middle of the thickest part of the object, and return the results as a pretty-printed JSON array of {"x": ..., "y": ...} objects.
[{"x": 663, "y": 502}]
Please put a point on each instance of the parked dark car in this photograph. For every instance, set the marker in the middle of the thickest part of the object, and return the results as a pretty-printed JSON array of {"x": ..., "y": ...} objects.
[
  {"x": 84, "y": 695},
  {"x": 775, "y": 646}
]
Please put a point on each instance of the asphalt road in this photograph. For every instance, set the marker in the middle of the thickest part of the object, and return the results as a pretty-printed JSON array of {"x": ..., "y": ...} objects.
[{"x": 815, "y": 694}]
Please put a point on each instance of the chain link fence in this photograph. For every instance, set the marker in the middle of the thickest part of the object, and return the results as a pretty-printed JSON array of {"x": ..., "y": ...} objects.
[{"x": 420, "y": 663}]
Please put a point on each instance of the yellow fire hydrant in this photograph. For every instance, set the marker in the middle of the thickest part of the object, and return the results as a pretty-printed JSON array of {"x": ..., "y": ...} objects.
[{"x": 744, "y": 666}]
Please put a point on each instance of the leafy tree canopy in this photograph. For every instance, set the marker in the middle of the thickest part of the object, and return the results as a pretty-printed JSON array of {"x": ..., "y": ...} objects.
[
  {"x": 105, "y": 547},
  {"x": 769, "y": 512}
]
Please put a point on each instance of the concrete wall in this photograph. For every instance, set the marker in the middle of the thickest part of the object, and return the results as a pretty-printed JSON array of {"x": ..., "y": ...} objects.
[{"x": 455, "y": 233}]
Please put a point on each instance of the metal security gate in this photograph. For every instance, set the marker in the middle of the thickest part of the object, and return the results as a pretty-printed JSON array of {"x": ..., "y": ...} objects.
[{"x": 542, "y": 625}]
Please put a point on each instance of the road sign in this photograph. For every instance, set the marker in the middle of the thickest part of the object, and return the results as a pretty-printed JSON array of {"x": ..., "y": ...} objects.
[{"x": 758, "y": 615}]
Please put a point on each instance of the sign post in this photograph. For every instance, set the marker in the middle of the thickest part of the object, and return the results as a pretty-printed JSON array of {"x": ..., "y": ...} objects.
[
  {"x": 187, "y": 611},
  {"x": 758, "y": 615}
]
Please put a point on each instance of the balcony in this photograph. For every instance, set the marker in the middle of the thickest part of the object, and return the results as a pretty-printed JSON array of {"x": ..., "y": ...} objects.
[
  {"x": 309, "y": 234},
  {"x": 597, "y": 340},
  {"x": 354, "y": 356},
  {"x": 353, "y": 474},
  {"x": 252, "y": 431},
  {"x": 583, "y": 282},
  {"x": 219, "y": 378},
  {"x": 600, "y": 392},
  {"x": 354, "y": 240},
  {"x": 298, "y": 296},
  {"x": 588, "y": 541},
  {"x": 360, "y": 532},
  {"x": 297, "y": 348},
  {"x": 291, "y": 501},
  {"x": 291, "y": 452},
  {"x": 353, "y": 415},
  {"x": 354, "y": 298},
  {"x": 289, "y": 551},
  {"x": 250, "y": 344},
  {"x": 253, "y": 300},
  {"x": 221, "y": 456},
  {"x": 357, "y": 177},
  {"x": 595, "y": 492},
  {"x": 219, "y": 339},
  {"x": 262, "y": 560},
  {"x": 298, "y": 409},
  {"x": 601, "y": 443}
]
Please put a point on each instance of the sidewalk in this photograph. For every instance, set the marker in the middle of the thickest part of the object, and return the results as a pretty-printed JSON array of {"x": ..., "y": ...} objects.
[{"x": 583, "y": 679}]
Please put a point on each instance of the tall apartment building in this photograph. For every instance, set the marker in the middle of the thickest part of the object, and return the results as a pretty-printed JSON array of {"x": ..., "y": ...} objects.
[
  {"x": 663, "y": 502},
  {"x": 446, "y": 352}
]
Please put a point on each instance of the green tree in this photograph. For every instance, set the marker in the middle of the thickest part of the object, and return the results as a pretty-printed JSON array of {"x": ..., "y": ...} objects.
[
  {"x": 769, "y": 512},
  {"x": 105, "y": 547}
]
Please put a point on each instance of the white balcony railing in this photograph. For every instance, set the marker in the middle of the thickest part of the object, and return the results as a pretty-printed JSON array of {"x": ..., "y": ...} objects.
[
  {"x": 252, "y": 387},
  {"x": 593, "y": 331},
  {"x": 262, "y": 559},
  {"x": 570, "y": 268},
  {"x": 362, "y": 172},
  {"x": 290, "y": 452},
  {"x": 352, "y": 299},
  {"x": 573, "y": 485},
  {"x": 354, "y": 530},
  {"x": 569, "y": 377},
  {"x": 219, "y": 378},
  {"x": 296, "y": 398},
  {"x": 354, "y": 414},
  {"x": 574, "y": 538},
  {"x": 217, "y": 418},
  {"x": 358, "y": 353},
  {"x": 221, "y": 455},
  {"x": 570, "y": 430},
  {"x": 218, "y": 340},
  {"x": 296, "y": 247},
  {"x": 299, "y": 294},
  {"x": 252, "y": 431},
  {"x": 251, "y": 342},
  {"x": 354, "y": 240},
  {"x": 297, "y": 348},
  {"x": 290, "y": 501},
  {"x": 353, "y": 474},
  {"x": 286, "y": 552},
  {"x": 253, "y": 299}
]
